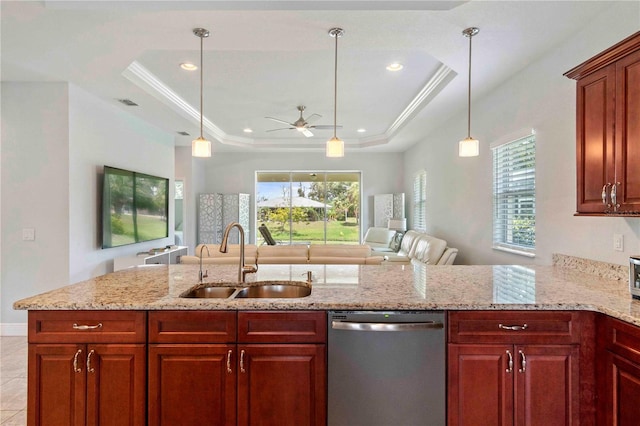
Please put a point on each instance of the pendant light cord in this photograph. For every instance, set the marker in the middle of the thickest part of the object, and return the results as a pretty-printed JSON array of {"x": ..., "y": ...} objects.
[
  {"x": 469, "y": 93},
  {"x": 335, "y": 87},
  {"x": 201, "y": 84}
]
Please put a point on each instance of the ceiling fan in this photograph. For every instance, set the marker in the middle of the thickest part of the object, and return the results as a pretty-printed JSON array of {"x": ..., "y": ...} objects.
[{"x": 301, "y": 124}]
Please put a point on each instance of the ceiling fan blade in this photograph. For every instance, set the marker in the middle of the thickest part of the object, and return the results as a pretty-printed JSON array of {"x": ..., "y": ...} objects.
[
  {"x": 313, "y": 117},
  {"x": 307, "y": 133},
  {"x": 282, "y": 128},
  {"x": 279, "y": 121},
  {"x": 324, "y": 126}
]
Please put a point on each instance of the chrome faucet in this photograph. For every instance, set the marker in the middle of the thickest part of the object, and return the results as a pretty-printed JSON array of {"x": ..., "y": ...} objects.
[
  {"x": 202, "y": 276},
  {"x": 243, "y": 269}
]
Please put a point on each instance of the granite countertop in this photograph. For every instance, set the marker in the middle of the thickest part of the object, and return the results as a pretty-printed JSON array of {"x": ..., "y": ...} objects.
[{"x": 564, "y": 286}]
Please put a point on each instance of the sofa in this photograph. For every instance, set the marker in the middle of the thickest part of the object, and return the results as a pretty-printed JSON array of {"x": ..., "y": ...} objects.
[
  {"x": 414, "y": 247},
  {"x": 350, "y": 254}
]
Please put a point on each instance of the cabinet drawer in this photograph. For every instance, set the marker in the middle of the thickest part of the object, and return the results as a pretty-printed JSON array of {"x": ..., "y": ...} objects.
[
  {"x": 282, "y": 327},
  {"x": 192, "y": 326},
  {"x": 620, "y": 337},
  {"x": 87, "y": 327},
  {"x": 514, "y": 327}
]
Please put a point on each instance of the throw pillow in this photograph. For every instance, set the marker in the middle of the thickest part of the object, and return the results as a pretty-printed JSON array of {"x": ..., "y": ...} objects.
[{"x": 396, "y": 241}]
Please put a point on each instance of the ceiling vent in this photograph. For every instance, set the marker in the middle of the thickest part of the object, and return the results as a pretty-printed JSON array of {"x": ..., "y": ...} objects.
[
  {"x": 183, "y": 133},
  {"x": 127, "y": 102}
]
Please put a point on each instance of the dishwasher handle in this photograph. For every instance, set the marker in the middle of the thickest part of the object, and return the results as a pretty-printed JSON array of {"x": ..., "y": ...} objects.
[{"x": 389, "y": 326}]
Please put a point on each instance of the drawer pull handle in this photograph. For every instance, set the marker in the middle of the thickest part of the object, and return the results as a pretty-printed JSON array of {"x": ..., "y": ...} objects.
[
  {"x": 87, "y": 327},
  {"x": 513, "y": 327},
  {"x": 523, "y": 362},
  {"x": 242, "y": 370},
  {"x": 229, "y": 370},
  {"x": 510, "y": 368},
  {"x": 77, "y": 369}
]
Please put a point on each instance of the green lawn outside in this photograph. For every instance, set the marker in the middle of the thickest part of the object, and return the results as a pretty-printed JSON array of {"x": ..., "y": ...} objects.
[
  {"x": 149, "y": 228},
  {"x": 338, "y": 232}
]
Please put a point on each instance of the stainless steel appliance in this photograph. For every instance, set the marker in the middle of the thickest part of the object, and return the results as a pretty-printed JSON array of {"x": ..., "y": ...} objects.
[
  {"x": 634, "y": 276},
  {"x": 386, "y": 368}
]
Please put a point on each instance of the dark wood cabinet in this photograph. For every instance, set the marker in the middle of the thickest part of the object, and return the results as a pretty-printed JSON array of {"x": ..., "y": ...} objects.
[
  {"x": 608, "y": 131},
  {"x": 618, "y": 373},
  {"x": 514, "y": 368},
  {"x": 73, "y": 382},
  {"x": 244, "y": 368}
]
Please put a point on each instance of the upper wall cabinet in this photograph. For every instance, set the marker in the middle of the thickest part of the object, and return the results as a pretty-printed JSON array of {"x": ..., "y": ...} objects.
[{"x": 608, "y": 131}]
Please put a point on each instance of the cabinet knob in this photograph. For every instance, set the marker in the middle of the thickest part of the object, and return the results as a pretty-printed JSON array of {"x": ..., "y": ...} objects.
[
  {"x": 523, "y": 362},
  {"x": 90, "y": 369},
  {"x": 242, "y": 370},
  {"x": 604, "y": 195},
  {"x": 77, "y": 369},
  {"x": 510, "y": 367},
  {"x": 229, "y": 370},
  {"x": 513, "y": 327}
]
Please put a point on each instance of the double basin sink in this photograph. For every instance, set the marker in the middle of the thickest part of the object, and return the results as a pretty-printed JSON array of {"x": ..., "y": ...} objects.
[{"x": 259, "y": 289}]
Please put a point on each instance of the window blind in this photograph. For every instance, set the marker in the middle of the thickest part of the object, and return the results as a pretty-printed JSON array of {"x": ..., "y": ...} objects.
[
  {"x": 514, "y": 196},
  {"x": 420, "y": 201}
]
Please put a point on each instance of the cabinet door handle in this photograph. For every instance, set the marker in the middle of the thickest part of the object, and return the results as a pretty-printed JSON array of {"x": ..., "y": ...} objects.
[
  {"x": 614, "y": 195},
  {"x": 90, "y": 369},
  {"x": 510, "y": 367},
  {"x": 604, "y": 195},
  {"x": 87, "y": 327},
  {"x": 77, "y": 369},
  {"x": 523, "y": 362},
  {"x": 242, "y": 370},
  {"x": 229, "y": 370},
  {"x": 513, "y": 327}
]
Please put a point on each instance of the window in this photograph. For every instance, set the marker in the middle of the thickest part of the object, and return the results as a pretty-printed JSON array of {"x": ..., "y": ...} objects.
[
  {"x": 514, "y": 196},
  {"x": 420, "y": 201},
  {"x": 309, "y": 207}
]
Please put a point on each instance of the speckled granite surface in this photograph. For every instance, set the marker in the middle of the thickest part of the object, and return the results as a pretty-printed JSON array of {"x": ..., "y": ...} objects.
[{"x": 389, "y": 287}]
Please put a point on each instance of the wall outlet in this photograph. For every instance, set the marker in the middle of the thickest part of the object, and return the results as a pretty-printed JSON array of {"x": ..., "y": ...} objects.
[
  {"x": 618, "y": 242},
  {"x": 28, "y": 234}
]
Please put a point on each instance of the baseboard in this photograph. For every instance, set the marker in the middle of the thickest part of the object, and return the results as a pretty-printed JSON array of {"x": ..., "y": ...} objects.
[{"x": 13, "y": 329}]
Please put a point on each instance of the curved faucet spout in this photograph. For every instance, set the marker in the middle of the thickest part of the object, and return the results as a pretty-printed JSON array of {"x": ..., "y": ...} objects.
[
  {"x": 202, "y": 276},
  {"x": 243, "y": 269}
]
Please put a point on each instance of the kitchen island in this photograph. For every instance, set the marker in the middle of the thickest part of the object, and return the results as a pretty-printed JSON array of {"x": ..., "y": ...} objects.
[{"x": 166, "y": 350}]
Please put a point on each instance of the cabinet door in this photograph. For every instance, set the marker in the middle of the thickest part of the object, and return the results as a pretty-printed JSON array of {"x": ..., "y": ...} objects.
[
  {"x": 595, "y": 138},
  {"x": 628, "y": 131},
  {"x": 282, "y": 385},
  {"x": 57, "y": 385},
  {"x": 546, "y": 385},
  {"x": 480, "y": 385},
  {"x": 116, "y": 384},
  {"x": 620, "y": 402},
  {"x": 190, "y": 384}
]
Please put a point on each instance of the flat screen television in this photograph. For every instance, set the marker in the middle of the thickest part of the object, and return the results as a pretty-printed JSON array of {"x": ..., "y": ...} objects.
[{"x": 135, "y": 207}]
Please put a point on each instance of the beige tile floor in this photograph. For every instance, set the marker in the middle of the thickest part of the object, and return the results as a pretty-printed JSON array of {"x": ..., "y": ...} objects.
[{"x": 13, "y": 381}]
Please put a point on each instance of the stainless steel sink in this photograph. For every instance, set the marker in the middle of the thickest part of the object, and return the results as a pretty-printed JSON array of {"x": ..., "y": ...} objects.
[
  {"x": 259, "y": 289},
  {"x": 209, "y": 292},
  {"x": 275, "y": 290}
]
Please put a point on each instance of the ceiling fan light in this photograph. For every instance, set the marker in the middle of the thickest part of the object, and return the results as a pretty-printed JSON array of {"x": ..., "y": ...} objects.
[
  {"x": 335, "y": 147},
  {"x": 469, "y": 147},
  {"x": 201, "y": 147}
]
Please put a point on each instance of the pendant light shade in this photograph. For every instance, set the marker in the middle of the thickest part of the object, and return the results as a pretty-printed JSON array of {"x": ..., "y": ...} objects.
[
  {"x": 201, "y": 147},
  {"x": 469, "y": 147},
  {"x": 335, "y": 145}
]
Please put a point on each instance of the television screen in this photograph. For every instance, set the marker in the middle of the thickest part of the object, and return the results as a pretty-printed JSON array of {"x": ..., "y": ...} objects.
[{"x": 135, "y": 207}]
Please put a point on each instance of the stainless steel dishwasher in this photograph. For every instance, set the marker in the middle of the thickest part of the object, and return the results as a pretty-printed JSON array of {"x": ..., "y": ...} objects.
[{"x": 386, "y": 368}]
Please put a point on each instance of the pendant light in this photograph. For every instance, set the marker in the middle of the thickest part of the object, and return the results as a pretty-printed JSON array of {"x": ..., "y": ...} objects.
[
  {"x": 335, "y": 145},
  {"x": 469, "y": 147},
  {"x": 201, "y": 147}
]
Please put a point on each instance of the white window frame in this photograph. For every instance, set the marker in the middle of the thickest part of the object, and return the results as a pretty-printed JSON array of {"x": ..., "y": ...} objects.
[
  {"x": 420, "y": 201},
  {"x": 514, "y": 195}
]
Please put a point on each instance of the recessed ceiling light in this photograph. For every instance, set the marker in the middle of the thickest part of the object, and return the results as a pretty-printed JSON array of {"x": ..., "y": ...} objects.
[
  {"x": 395, "y": 66},
  {"x": 361, "y": 130},
  {"x": 188, "y": 66},
  {"x": 247, "y": 130}
]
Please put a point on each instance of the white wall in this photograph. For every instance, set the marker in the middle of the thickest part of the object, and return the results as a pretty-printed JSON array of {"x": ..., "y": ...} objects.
[
  {"x": 35, "y": 193},
  {"x": 56, "y": 139},
  {"x": 235, "y": 172},
  {"x": 539, "y": 97},
  {"x": 102, "y": 134}
]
